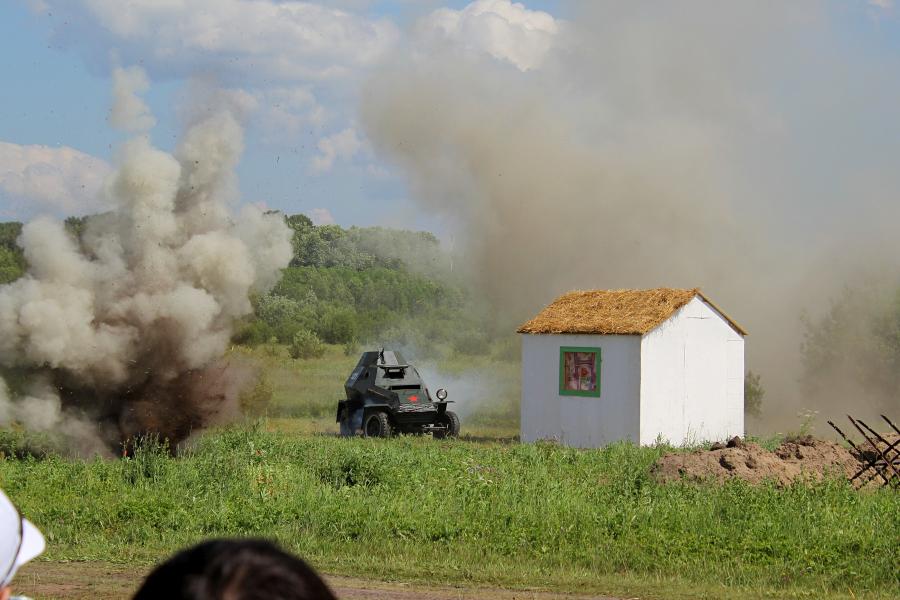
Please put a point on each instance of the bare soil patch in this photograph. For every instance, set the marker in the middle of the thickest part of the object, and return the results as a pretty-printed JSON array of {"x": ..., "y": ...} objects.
[
  {"x": 803, "y": 458},
  {"x": 104, "y": 581}
]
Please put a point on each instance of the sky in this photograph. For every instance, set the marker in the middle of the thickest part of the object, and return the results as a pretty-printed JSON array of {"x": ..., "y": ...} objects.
[{"x": 294, "y": 69}]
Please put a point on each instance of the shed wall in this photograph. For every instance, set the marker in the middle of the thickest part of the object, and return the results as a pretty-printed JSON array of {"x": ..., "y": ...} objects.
[
  {"x": 586, "y": 422},
  {"x": 692, "y": 378}
]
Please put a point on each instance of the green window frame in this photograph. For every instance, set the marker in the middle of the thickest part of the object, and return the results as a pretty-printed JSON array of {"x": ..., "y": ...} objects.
[{"x": 563, "y": 390}]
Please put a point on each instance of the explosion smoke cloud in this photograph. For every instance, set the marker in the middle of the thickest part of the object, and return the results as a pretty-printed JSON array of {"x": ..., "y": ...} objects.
[
  {"x": 692, "y": 144},
  {"x": 127, "y": 326}
]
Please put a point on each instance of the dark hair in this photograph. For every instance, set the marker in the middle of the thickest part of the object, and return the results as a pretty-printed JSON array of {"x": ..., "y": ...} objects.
[{"x": 244, "y": 569}]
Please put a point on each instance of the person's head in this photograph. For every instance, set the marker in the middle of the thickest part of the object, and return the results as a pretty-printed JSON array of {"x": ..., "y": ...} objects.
[
  {"x": 239, "y": 569},
  {"x": 20, "y": 541}
]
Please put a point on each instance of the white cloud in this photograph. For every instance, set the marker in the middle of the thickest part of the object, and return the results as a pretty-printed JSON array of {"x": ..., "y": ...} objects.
[
  {"x": 290, "y": 59},
  {"x": 262, "y": 40},
  {"x": 505, "y": 30},
  {"x": 342, "y": 145},
  {"x": 377, "y": 171},
  {"x": 885, "y": 4},
  {"x": 289, "y": 110},
  {"x": 60, "y": 180},
  {"x": 321, "y": 216},
  {"x": 291, "y": 67}
]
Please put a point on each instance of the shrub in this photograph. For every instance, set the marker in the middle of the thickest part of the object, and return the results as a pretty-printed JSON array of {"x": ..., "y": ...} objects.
[
  {"x": 255, "y": 400},
  {"x": 306, "y": 344},
  {"x": 272, "y": 348},
  {"x": 254, "y": 333},
  {"x": 339, "y": 326}
]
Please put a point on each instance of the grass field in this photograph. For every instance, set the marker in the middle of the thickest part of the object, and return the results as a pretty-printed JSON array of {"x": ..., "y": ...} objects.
[
  {"x": 485, "y": 391},
  {"x": 485, "y": 510}
]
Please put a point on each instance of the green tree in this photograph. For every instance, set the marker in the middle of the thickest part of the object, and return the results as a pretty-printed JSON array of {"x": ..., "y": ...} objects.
[
  {"x": 283, "y": 315},
  {"x": 365, "y": 283},
  {"x": 9, "y": 233},
  {"x": 11, "y": 265},
  {"x": 339, "y": 326},
  {"x": 298, "y": 222},
  {"x": 76, "y": 225}
]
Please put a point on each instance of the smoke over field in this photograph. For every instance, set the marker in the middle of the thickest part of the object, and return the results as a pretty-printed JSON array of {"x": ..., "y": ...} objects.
[
  {"x": 122, "y": 332},
  {"x": 739, "y": 148}
]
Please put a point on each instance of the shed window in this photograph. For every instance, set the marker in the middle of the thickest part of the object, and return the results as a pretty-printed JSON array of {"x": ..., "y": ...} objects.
[{"x": 579, "y": 371}]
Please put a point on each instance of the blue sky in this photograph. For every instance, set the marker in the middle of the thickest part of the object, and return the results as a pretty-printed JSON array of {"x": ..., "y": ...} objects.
[
  {"x": 57, "y": 68},
  {"x": 56, "y": 59}
]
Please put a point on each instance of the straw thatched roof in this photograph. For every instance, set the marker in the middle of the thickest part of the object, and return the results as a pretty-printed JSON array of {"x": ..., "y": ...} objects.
[{"x": 620, "y": 312}]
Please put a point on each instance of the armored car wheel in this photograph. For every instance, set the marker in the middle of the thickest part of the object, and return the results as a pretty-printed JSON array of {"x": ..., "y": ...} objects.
[
  {"x": 346, "y": 424},
  {"x": 449, "y": 423},
  {"x": 377, "y": 425}
]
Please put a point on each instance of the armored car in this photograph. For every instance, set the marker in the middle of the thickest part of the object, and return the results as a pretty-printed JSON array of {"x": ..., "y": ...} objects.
[{"x": 386, "y": 395}]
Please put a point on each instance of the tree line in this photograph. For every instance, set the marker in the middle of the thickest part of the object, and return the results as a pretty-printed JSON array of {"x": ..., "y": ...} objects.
[
  {"x": 395, "y": 287},
  {"x": 344, "y": 286}
]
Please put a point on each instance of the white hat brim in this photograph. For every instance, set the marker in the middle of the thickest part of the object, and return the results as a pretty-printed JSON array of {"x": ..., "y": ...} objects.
[{"x": 32, "y": 545}]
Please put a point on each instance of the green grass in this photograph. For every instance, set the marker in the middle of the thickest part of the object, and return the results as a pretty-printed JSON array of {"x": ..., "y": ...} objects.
[
  {"x": 479, "y": 510},
  {"x": 457, "y": 511},
  {"x": 308, "y": 388}
]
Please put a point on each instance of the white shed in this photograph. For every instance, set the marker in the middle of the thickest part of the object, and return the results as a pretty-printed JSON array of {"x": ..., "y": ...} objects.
[{"x": 640, "y": 365}]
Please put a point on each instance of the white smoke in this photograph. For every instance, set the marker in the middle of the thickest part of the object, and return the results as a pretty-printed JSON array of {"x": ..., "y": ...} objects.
[
  {"x": 142, "y": 306},
  {"x": 129, "y": 112},
  {"x": 39, "y": 409},
  {"x": 475, "y": 392}
]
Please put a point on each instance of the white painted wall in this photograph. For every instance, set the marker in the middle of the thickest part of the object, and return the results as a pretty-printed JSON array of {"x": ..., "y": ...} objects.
[
  {"x": 692, "y": 378},
  {"x": 585, "y": 422}
]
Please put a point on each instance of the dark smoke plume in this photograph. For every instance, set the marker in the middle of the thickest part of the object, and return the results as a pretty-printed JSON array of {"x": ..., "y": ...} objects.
[{"x": 122, "y": 332}]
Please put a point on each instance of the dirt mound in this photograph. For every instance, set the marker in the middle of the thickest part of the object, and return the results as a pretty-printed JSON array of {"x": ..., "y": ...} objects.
[
  {"x": 887, "y": 444},
  {"x": 800, "y": 458}
]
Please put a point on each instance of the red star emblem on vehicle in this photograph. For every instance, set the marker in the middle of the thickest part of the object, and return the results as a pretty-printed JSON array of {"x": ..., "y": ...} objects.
[{"x": 413, "y": 398}]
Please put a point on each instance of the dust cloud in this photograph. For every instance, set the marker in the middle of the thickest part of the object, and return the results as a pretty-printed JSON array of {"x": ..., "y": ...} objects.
[
  {"x": 475, "y": 393},
  {"x": 121, "y": 333},
  {"x": 743, "y": 149}
]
